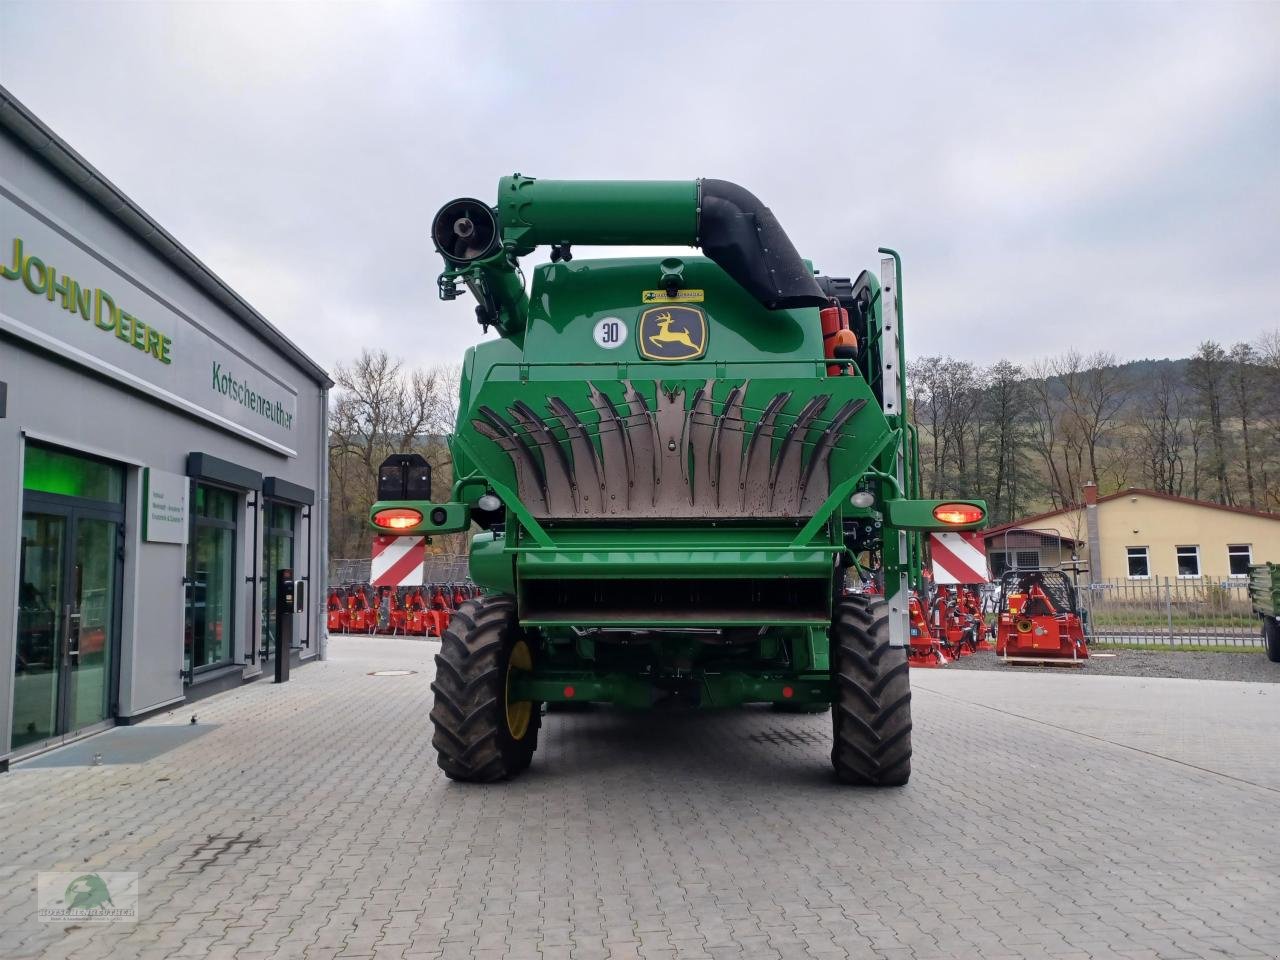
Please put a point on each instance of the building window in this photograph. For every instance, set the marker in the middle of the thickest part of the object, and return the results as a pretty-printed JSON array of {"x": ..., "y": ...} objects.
[
  {"x": 999, "y": 563},
  {"x": 1028, "y": 559},
  {"x": 210, "y": 579},
  {"x": 1139, "y": 563},
  {"x": 1188, "y": 562},
  {"x": 1239, "y": 557}
]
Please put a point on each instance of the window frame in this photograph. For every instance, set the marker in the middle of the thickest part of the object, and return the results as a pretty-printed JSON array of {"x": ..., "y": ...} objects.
[
  {"x": 1146, "y": 559},
  {"x": 197, "y": 520},
  {"x": 1248, "y": 554},
  {"x": 1177, "y": 560},
  {"x": 999, "y": 562}
]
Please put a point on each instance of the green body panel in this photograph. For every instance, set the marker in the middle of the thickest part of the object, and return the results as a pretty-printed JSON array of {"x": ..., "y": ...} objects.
[
  {"x": 690, "y": 577},
  {"x": 492, "y": 565},
  {"x": 1264, "y": 589},
  {"x": 672, "y": 553}
]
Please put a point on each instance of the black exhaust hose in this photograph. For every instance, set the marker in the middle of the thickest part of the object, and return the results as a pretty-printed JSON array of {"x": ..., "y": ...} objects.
[{"x": 742, "y": 235}]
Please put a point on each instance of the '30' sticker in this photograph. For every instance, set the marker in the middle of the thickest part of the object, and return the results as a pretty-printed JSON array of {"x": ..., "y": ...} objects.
[{"x": 610, "y": 333}]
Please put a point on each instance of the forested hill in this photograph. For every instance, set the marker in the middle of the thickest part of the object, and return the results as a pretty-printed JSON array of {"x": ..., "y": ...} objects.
[{"x": 1027, "y": 438}]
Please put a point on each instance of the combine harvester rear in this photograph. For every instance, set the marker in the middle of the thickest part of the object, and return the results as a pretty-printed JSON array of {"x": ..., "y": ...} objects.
[{"x": 673, "y": 463}]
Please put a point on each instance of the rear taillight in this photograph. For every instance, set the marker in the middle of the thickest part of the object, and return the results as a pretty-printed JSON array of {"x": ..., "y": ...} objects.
[
  {"x": 397, "y": 518},
  {"x": 958, "y": 513}
]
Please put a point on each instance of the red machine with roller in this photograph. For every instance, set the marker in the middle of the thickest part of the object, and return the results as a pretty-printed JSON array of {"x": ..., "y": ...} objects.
[
  {"x": 1039, "y": 619},
  {"x": 957, "y": 620},
  {"x": 925, "y": 649},
  {"x": 337, "y": 612},
  {"x": 362, "y": 616}
]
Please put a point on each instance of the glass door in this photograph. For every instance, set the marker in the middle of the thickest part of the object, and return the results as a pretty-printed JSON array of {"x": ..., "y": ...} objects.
[
  {"x": 69, "y": 574},
  {"x": 93, "y": 608},
  {"x": 38, "y": 660},
  {"x": 69, "y": 603}
]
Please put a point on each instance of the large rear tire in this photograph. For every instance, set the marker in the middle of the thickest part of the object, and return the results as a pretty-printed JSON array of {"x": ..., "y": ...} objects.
[
  {"x": 1271, "y": 638},
  {"x": 871, "y": 715},
  {"x": 480, "y": 735}
]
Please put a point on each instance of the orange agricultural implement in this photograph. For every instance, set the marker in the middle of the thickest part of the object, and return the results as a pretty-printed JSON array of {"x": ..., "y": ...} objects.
[
  {"x": 337, "y": 612},
  {"x": 957, "y": 621},
  {"x": 925, "y": 650},
  {"x": 1039, "y": 619}
]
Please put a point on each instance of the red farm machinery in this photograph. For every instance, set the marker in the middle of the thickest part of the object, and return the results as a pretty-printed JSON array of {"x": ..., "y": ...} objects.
[
  {"x": 946, "y": 613},
  {"x": 1039, "y": 619}
]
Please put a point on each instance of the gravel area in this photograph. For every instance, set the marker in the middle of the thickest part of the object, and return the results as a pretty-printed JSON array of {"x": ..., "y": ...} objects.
[{"x": 1250, "y": 665}]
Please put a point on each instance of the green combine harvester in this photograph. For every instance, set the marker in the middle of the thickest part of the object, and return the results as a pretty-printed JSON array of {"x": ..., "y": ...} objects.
[{"x": 674, "y": 463}]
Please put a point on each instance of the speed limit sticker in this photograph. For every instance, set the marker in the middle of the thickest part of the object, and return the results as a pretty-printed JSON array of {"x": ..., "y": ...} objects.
[{"x": 610, "y": 332}]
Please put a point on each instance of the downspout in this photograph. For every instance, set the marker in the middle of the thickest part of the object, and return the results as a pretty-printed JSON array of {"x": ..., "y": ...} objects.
[
  {"x": 1095, "y": 537},
  {"x": 321, "y": 593}
]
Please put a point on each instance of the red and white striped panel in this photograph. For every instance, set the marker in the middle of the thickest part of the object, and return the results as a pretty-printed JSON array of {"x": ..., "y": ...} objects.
[
  {"x": 958, "y": 557},
  {"x": 398, "y": 561}
]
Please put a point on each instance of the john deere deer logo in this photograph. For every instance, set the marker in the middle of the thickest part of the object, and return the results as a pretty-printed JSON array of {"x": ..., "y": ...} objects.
[{"x": 672, "y": 333}]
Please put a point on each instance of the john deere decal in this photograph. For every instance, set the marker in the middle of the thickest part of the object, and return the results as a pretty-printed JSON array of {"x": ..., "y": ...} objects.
[
  {"x": 680, "y": 296},
  {"x": 672, "y": 333}
]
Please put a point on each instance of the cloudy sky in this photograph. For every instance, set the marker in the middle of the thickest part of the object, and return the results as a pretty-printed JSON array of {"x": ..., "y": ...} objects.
[{"x": 1104, "y": 176}]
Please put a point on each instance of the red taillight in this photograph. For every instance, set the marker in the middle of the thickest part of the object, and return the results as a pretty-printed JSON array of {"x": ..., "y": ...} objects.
[
  {"x": 397, "y": 518},
  {"x": 569, "y": 693},
  {"x": 958, "y": 513}
]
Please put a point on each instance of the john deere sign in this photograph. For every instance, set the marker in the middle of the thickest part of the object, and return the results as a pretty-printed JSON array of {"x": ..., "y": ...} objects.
[
  {"x": 93, "y": 304},
  {"x": 124, "y": 315}
]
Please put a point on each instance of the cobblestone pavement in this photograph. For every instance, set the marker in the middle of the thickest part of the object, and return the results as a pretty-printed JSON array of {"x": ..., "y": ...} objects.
[{"x": 1047, "y": 817}]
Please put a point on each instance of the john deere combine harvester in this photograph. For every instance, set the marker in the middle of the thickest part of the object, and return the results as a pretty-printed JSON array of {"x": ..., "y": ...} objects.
[{"x": 673, "y": 463}]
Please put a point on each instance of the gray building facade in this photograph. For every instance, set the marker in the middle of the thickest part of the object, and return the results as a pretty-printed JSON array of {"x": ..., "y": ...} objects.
[{"x": 162, "y": 458}]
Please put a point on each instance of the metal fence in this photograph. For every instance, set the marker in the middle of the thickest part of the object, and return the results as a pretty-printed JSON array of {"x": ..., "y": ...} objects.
[
  {"x": 1193, "y": 612},
  {"x": 439, "y": 568}
]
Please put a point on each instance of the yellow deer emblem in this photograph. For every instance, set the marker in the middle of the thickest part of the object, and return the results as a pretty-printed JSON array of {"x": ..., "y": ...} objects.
[{"x": 666, "y": 335}]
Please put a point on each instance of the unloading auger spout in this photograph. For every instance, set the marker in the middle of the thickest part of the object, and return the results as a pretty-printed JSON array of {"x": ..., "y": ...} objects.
[{"x": 481, "y": 244}]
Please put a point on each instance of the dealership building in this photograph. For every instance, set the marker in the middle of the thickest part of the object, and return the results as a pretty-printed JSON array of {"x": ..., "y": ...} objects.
[{"x": 162, "y": 460}]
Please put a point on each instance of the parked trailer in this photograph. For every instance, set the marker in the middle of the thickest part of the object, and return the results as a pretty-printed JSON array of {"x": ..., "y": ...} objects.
[
  {"x": 1264, "y": 595},
  {"x": 673, "y": 463}
]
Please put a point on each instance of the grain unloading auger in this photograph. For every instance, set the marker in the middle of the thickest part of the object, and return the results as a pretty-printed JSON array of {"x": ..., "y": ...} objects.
[{"x": 672, "y": 462}]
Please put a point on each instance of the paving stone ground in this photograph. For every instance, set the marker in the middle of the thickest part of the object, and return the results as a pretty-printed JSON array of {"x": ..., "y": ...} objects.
[{"x": 1048, "y": 816}]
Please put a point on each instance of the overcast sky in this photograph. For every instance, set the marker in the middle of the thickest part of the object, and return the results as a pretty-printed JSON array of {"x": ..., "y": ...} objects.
[{"x": 1102, "y": 176}]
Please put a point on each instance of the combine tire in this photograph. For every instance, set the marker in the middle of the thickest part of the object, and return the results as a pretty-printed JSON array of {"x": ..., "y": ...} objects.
[
  {"x": 480, "y": 736},
  {"x": 871, "y": 715},
  {"x": 1271, "y": 638}
]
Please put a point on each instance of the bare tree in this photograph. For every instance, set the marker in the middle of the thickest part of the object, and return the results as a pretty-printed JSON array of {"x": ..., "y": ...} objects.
[
  {"x": 1244, "y": 400},
  {"x": 924, "y": 377},
  {"x": 1163, "y": 434},
  {"x": 1207, "y": 373},
  {"x": 1006, "y": 403},
  {"x": 1096, "y": 391},
  {"x": 1055, "y": 435}
]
